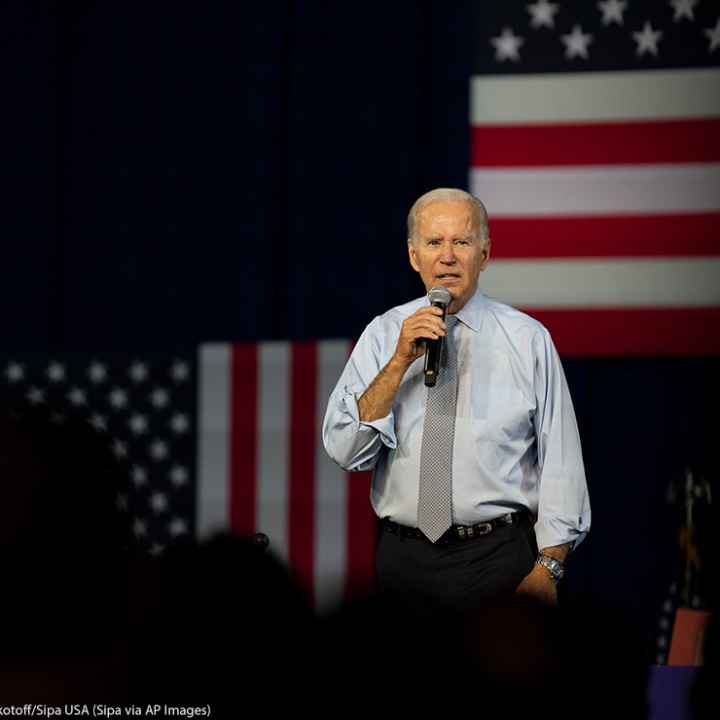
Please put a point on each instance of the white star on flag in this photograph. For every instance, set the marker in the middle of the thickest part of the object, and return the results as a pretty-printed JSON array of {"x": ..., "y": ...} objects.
[
  {"x": 507, "y": 45},
  {"x": 178, "y": 475},
  {"x": 177, "y": 527},
  {"x": 122, "y": 502},
  {"x": 56, "y": 372},
  {"x": 35, "y": 396},
  {"x": 576, "y": 43},
  {"x": 683, "y": 8},
  {"x": 159, "y": 397},
  {"x": 179, "y": 423},
  {"x": 647, "y": 40},
  {"x": 15, "y": 372},
  {"x": 97, "y": 373},
  {"x": 158, "y": 502},
  {"x": 77, "y": 396},
  {"x": 139, "y": 476},
  {"x": 714, "y": 35},
  {"x": 543, "y": 14},
  {"x": 180, "y": 371},
  {"x": 612, "y": 11},
  {"x": 158, "y": 450},
  {"x": 138, "y": 424},
  {"x": 98, "y": 422},
  {"x": 120, "y": 449},
  {"x": 138, "y": 372},
  {"x": 118, "y": 398},
  {"x": 139, "y": 528},
  {"x": 157, "y": 549}
]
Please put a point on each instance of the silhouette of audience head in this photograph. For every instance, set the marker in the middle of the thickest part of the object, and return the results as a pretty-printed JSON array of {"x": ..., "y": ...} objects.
[
  {"x": 63, "y": 541},
  {"x": 60, "y": 487},
  {"x": 227, "y": 624}
]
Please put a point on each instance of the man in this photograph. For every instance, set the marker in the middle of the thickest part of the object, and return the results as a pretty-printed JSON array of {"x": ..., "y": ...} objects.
[{"x": 492, "y": 451}]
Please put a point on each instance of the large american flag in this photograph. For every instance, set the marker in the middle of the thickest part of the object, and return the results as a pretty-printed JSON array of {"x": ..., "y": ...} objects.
[
  {"x": 595, "y": 145},
  {"x": 226, "y": 437}
]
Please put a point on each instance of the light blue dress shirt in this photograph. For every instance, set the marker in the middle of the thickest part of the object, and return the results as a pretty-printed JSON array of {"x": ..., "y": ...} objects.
[{"x": 516, "y": 438}]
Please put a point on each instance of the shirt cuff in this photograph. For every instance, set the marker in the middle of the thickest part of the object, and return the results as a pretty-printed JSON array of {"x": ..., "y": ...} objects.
[
  {"x": 551, "y": 532},
  {"x": 384, "y": 426}
]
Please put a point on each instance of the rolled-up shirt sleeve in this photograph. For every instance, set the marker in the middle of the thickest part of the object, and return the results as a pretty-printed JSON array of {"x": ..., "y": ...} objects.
[
  {"x": 563, "y": 503},
  {"x": 353, "y": 444}
]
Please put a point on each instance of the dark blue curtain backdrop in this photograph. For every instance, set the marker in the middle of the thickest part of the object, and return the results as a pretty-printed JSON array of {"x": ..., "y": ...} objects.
[
  {"x": 182, "y": 173},
  {"x": 179, "y": 173}
]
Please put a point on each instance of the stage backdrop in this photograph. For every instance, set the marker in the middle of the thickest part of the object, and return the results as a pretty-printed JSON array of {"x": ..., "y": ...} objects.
[{"x": 204, "y": 205}]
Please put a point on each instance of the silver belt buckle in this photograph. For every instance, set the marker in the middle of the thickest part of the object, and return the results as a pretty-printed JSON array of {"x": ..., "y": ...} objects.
[{"x": 484, "y": 528}]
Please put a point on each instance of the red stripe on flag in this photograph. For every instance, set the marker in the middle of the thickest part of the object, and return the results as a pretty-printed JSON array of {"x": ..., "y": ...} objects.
[
  {"x": 636, "y": 331},
  {"x": 602, "y": 236},
  {"x": 669, "y": 141},
  {"x": 301, "y": 514},
  {"x": 361, "y": 533},
  {"x": 243, "y": 438}
]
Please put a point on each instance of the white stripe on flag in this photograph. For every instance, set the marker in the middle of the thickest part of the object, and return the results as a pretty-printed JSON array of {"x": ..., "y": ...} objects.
[
  {"x": 604, "y": 190},
  {"x": 595, "y": 97},
  {"x": 331, "y": 502},
  {"x": 212, "y": 438},
  {"x": 680, "y": 282},
  {"x": 273, "y": 445}
]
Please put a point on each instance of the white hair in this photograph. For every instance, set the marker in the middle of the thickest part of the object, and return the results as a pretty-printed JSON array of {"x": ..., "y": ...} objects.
[{"x": 449, "y": 195}]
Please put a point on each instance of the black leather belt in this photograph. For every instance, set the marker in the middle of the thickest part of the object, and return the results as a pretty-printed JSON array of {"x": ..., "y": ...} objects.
[{"x": 457, "y": 533}]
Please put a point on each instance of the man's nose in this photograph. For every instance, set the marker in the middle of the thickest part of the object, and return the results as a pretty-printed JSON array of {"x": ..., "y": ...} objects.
[{"x": 448, "y": 253}]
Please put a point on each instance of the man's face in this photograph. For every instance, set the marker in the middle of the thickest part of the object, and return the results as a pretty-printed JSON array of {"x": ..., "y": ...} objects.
[{"x": 447, "y": 250}]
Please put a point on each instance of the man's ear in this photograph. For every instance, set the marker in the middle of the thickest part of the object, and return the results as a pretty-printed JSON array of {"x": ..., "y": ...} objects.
[
  {"x": 413, "y": 256},
  {"x": 486, "y": 259}
]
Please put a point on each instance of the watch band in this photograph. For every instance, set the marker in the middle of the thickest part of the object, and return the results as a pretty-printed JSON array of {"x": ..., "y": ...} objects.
[{"x": 554, "y": 566}]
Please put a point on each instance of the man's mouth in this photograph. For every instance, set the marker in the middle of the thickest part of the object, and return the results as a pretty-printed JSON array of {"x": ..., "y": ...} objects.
[{"x": 447, "y": 276}]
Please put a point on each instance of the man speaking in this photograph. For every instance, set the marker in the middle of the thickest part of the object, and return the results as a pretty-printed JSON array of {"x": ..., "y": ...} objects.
[{"x": 478, "y": 476}]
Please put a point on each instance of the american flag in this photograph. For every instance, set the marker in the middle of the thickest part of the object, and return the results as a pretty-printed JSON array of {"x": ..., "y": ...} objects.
[
  {"x": 690, "y": 587},
  {"x": 595, "y": 146},
  {"x": 226, "y": 437}
]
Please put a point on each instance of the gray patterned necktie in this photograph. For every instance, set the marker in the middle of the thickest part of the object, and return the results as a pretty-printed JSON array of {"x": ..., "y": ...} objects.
[{"x": 435, "y": 497}]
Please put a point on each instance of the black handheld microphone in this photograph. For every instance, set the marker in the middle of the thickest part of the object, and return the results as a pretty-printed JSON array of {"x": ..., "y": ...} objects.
[{"x": 439, "y": 297}]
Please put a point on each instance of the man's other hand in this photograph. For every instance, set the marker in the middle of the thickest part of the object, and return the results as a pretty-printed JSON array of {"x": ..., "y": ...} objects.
[{"x": 539, "y": 585}]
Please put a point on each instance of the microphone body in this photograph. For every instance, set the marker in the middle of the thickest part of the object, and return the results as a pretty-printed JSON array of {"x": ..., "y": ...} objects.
[{"x": 439, "y": 297}]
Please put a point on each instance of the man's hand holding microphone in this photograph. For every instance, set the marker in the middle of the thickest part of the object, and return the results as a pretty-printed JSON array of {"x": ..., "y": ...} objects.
[{"x": 421, "y": 333}]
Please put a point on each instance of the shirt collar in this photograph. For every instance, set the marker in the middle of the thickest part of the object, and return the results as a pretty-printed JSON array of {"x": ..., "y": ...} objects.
[{"x": 471, "y": 314}]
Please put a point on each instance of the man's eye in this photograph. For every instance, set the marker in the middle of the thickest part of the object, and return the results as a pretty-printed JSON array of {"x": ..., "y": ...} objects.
[
  {"x": 462, "y": 242},
  {"x": 433, "y": 242}
]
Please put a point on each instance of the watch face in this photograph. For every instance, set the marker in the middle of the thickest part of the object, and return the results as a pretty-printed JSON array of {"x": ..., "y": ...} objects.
[{"x": 554, "y": 566}]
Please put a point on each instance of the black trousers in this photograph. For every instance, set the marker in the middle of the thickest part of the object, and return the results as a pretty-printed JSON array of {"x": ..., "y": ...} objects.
[{"x": 456, "y": 577}]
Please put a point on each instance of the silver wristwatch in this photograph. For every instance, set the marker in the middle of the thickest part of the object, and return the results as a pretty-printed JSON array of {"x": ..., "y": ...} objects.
[{"x": 553, "y": 566}]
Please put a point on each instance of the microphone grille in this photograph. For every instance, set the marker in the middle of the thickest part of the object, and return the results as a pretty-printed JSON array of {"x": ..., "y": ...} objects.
[{"x": 439, "y": 294}]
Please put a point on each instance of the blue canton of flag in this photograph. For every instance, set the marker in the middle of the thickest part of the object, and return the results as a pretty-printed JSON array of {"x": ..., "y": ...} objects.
[{"x": 145, "y": 406}]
